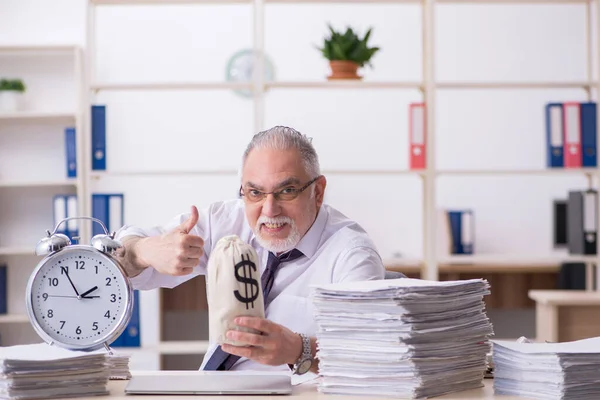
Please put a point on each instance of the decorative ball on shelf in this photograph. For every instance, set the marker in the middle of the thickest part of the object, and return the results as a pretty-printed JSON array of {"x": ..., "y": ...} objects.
[
  {"x": 241, "y": 66},
  {"x": 79, "y": 296}
]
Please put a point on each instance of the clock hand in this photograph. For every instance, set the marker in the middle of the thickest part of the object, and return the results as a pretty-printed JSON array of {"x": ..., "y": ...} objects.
[
  {"x": 66, "y": 271},
  {"x": 56, "y": 295},
  {"x": 89, "y": 291}
]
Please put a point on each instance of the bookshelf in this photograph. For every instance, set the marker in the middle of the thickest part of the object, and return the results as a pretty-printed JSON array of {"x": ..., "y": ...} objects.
[
  {"x": 35, "y": 134},
  {"x": 430, "y": 266}
]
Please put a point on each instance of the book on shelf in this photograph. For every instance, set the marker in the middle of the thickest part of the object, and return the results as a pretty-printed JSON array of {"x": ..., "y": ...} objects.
[
  {"x": 571, "y": 134},
  {"x": 456, "y": 230}
]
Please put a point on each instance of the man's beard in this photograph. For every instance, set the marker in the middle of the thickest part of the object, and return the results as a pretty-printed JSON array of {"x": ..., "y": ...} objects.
[{"x": 277, "y": 245}]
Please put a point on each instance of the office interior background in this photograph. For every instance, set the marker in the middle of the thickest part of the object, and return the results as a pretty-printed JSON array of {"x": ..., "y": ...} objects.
[{"x": 177, "y": 124}]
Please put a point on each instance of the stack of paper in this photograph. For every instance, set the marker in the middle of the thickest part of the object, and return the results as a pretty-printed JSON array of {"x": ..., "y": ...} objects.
[
  {"x": 118, "y": 364},
  {"x": 567, "y": 370},
  {"x": 406, "y": 338},
  {"x": 43, "y": 371}
]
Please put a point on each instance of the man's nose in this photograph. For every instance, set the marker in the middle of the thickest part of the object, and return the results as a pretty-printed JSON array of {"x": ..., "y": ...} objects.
[{"x": 271, "y": 206}]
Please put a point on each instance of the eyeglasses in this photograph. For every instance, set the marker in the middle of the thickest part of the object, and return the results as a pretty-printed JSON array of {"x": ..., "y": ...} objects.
[{"x": 285, "y": 194}]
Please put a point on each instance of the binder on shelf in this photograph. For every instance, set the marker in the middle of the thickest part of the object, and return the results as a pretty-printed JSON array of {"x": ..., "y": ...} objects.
[
  {"x": 418, "y": 135},
  {"x": 98, "y": 117},
  {"x": 572, "y": 134},
  {"x": 588, "y": 134},
  {"x": 3, "y": 289},
  {"x": 108, "y": 208},
  {"x": 554, "y": 135},
  {"x": 462, "y": 229},
  {"x": 71, "y": 152},
  {"x": 59, "y": 202},
  {"x": 72, "y": 225},
  {"x": 65, "y": 206},
  {"x": 559, "y": 218},
  {"x": 582, "y": 215}
]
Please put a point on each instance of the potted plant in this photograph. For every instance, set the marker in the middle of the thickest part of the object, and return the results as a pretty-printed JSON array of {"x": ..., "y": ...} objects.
[
  {"x": 346, "y": 53},
  {"x": 11, "y": 93}
]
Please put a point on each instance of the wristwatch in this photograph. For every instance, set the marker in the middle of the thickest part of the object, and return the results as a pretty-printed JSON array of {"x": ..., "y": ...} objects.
[{"x": 305, "y": 361}]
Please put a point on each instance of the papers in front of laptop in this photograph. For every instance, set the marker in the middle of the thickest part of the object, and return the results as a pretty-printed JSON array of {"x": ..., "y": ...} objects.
[
  {"x": 407, "y": 338},
  {"x": 41, "y": 371},
  {"x": 567, "y": 370}
]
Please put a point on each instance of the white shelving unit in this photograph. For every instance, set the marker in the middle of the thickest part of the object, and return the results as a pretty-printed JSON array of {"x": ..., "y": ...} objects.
[
  {"x": 19, "y": 254},
  {"x": 429, "y": 87}
]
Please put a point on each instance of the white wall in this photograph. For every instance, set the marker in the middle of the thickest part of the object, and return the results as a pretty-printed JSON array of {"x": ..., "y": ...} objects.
[{"x": 363, "y": 129}]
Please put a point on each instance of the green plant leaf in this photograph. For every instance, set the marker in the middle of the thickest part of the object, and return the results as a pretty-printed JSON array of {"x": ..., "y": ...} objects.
[{"x": 348, "y": 46}]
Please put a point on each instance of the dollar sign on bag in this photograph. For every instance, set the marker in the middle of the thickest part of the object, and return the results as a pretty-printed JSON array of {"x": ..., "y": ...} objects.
[{"x": 250, "y": 284}]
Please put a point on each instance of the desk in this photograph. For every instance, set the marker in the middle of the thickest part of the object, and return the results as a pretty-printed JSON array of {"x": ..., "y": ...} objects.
[
  {"x": 307, "y": 392},
  {"x": 566, "y": 315}
]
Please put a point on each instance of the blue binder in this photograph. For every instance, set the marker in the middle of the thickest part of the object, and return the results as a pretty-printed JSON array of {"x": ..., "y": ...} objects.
[
  {"x": 554, "y": 135},
  {"x": 3, "y": 290},
  {"x": 588, "y": 135},
  {"x": 101, "y": 209},
  {"x": 98, "y": 115},
  {"x": 71, "y": 152},
  {"x": 462, "y": 235},
  {"x": 111, "y": 214}
]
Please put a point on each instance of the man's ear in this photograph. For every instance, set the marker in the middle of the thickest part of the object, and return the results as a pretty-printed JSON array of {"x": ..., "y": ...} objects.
[{"x": 320, "y": 185}]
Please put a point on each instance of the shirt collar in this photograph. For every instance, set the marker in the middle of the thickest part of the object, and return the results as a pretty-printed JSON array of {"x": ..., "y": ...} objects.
[{"x": 309, "y": 243}]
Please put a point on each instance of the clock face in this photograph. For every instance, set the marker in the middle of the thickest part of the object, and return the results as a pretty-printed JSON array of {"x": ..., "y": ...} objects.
[{"x": 79, "y": 298}]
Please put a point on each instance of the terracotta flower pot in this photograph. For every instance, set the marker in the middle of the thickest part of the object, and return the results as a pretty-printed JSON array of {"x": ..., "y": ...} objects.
[{"x": 343, "y": 70}]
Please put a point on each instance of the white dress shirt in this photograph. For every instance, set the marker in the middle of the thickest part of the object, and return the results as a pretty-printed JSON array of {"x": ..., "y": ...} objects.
[{"x": 335, "y": 248}]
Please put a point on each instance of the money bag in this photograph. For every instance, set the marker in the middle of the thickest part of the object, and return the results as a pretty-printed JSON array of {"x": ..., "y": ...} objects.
[{"x": 233, "y": 288}]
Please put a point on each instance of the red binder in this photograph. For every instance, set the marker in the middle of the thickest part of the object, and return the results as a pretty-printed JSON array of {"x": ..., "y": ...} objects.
[
  {"x": 572, "y": 132},
  {"x": 417, "y": 135}
]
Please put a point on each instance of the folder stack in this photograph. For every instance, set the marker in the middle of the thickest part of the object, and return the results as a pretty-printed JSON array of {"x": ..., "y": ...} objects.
[
  {"x": 45, "y": 371},
  {"x": 567, "y": 370},
  {"x": 406, "y": 338}
]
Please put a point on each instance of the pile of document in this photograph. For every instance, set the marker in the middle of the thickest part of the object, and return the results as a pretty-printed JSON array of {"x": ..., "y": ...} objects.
[
  {"x": 43, "y": 371},
  {"x": 118, "y": 364},
  {"x": 406, "y": 338},
  {"x": 567, "y": 370}
]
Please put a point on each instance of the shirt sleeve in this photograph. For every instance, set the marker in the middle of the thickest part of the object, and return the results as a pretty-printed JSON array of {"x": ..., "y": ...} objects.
[
  {"x": 150, "y": 278},
  {"x": 360, "y": 263}
]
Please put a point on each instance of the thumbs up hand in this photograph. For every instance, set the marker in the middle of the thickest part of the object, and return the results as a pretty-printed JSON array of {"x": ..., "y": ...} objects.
[{"x": 176, "y": 252}]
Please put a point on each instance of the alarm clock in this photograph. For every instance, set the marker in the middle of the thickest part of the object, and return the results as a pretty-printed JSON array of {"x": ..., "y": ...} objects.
[{"x": 79, "y": 296}]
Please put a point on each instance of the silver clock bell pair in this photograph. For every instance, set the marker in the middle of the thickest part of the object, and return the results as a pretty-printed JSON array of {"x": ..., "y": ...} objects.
[{"x": 79, "y": 296}]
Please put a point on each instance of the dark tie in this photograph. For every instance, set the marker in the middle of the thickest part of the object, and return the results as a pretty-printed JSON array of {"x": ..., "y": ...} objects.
[{"x": 222, "y": 361}]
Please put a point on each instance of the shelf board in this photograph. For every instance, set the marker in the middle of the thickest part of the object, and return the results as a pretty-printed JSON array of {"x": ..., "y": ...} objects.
[
  {"x": 33, "y": 184},
  {"x": 166, "y": 2},
  {"x": 38, "y": 116},
  {"x": 548, "y": 171},
  {"x": 514, "y": 85},
  {"x": 100, "y": 175},
  {"x": 13, "y": 318},
  {"x": 17, "y": 251},
  {"x": 183, "y": 347},
  {"x": 489, "y": 263},
  {"x": 343, "y": 84},
  {"x": 37, "y": 49},
  {"x": 171, "y": 85},
  {"x": 171, "y": 2}
]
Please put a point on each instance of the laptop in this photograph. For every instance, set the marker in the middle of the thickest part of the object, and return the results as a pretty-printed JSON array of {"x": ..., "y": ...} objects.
[{"x": 209, "y": 383}]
